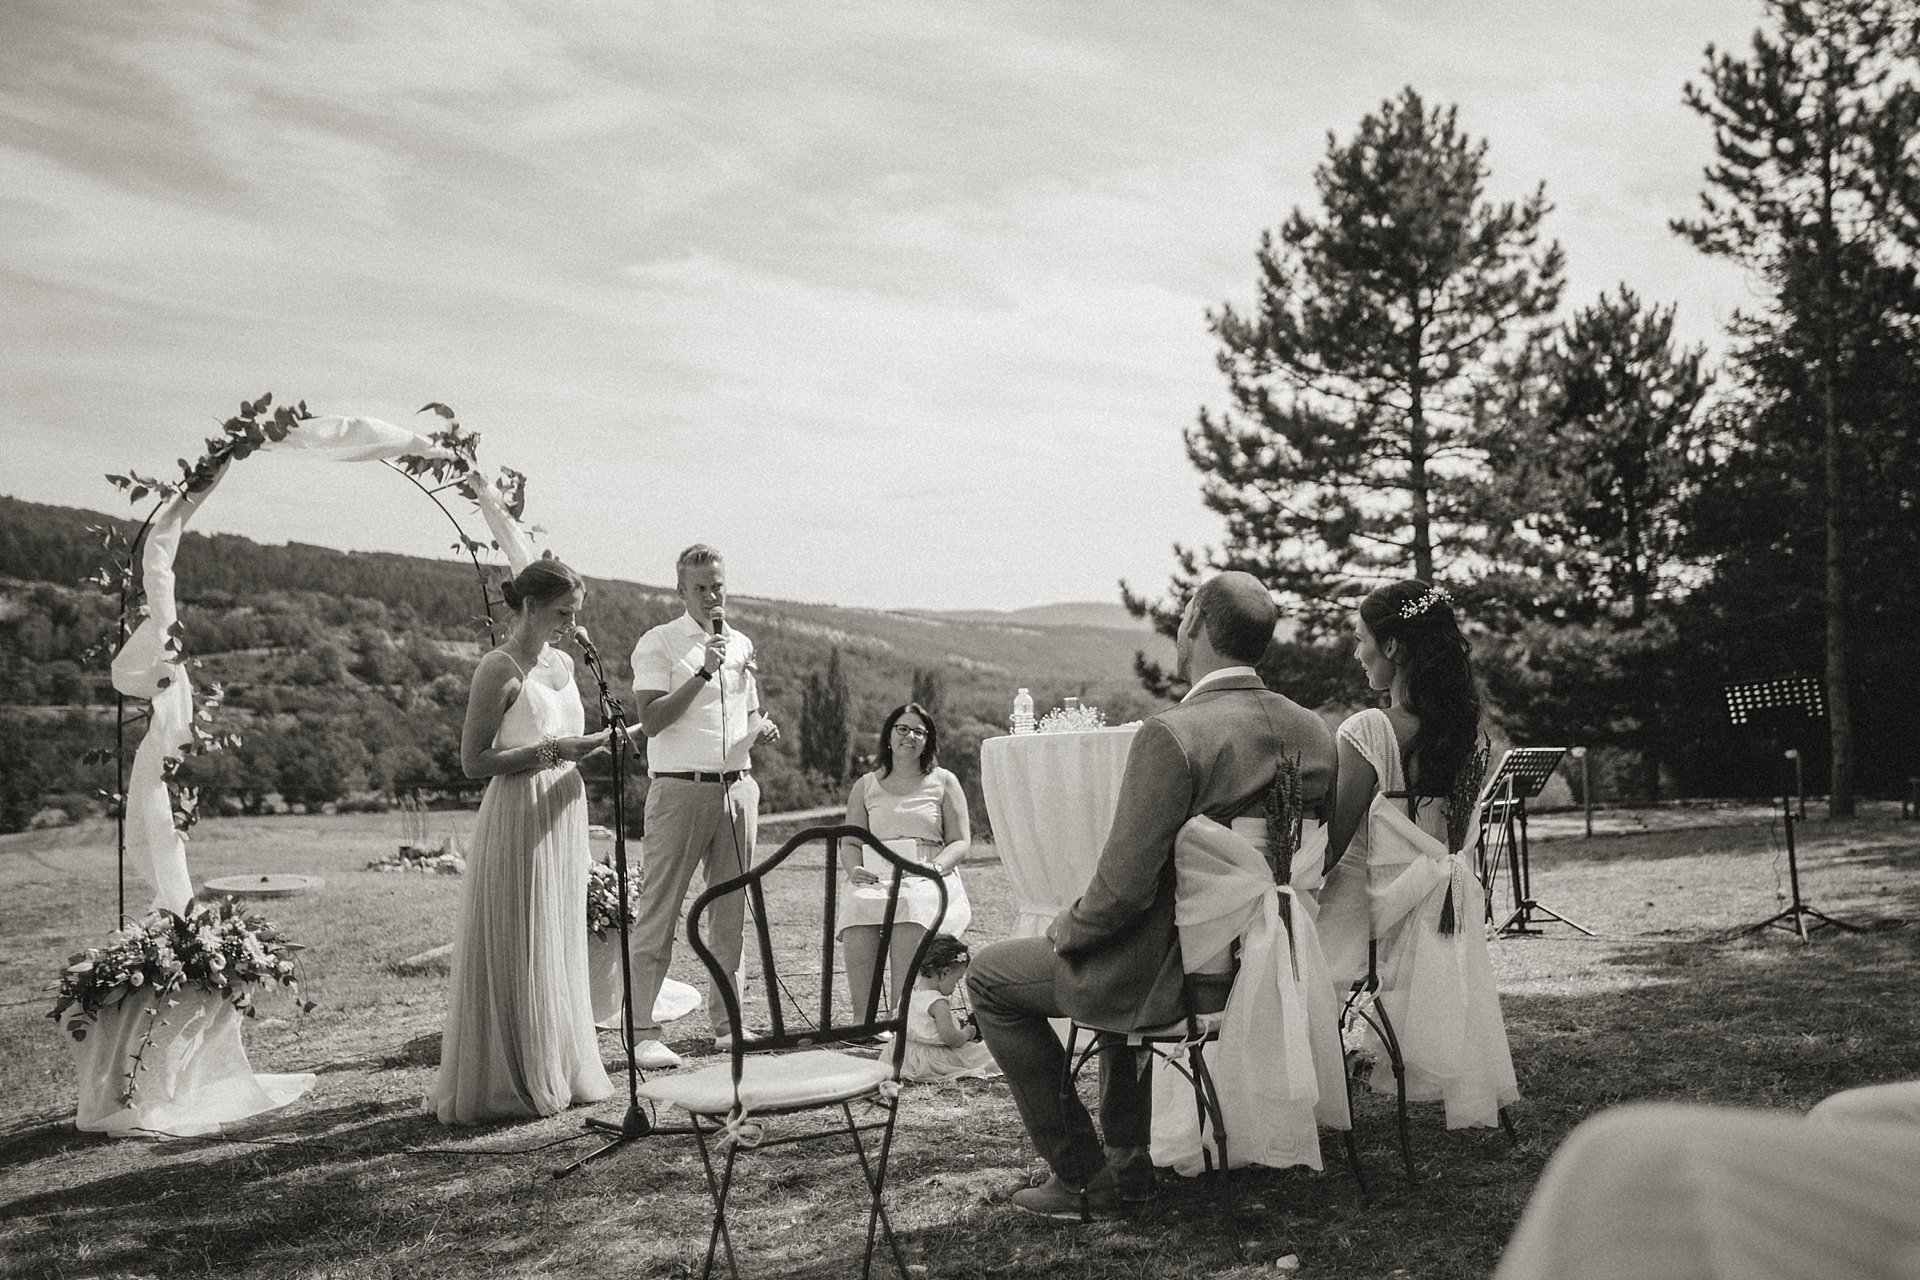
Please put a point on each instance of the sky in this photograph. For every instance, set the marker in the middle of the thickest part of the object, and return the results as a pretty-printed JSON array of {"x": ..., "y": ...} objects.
[{"x": 898, "y": 304}]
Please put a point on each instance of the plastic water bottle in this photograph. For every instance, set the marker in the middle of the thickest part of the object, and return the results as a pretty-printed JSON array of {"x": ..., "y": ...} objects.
[{"x": 1023, "y": 712}]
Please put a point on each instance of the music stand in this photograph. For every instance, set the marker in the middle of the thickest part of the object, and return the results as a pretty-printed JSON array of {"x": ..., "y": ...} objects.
[
  {"x": 1782, "y": 709},
  {"x": 1522, "y": 774}
]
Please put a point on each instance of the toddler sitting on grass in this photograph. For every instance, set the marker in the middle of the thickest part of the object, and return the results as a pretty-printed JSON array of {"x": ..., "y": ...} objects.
[{"x": 939, "y": 1045}]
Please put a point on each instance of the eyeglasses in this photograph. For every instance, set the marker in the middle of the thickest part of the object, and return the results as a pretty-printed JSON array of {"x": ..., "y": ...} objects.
[{"x": 908, "y": 731}]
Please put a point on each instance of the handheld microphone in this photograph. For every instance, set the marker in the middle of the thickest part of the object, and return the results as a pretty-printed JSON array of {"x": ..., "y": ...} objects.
[
  {"x": 719, "y": 621},
  {"x": 581, "y": 638}
]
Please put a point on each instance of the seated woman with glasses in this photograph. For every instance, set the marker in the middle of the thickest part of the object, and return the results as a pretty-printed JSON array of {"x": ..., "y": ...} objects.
[{"x": 918, "y": 810}]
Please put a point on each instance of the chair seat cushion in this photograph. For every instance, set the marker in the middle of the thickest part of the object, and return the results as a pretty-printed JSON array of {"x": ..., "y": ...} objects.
[
  {"x": 780, "y": 1082},
  {"x": 1208, "y": 1024}
]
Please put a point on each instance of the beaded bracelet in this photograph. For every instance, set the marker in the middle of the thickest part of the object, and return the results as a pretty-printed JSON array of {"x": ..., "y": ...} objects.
[{"x": 548, "y": 752}]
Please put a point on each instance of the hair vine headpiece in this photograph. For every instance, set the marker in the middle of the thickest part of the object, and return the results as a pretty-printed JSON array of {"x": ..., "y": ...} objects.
[{"x": 1420, "y": 604}]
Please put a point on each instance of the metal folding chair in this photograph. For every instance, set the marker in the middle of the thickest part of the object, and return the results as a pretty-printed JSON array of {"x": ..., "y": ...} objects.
[{"x": 731, "y": 1103}]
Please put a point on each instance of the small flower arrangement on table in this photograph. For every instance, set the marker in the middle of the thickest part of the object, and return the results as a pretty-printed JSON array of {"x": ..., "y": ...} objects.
[
  {"x": 603, "y": 896},
  {"x": 219, "y": 947},
  {"x": 1073, "y": 719}
]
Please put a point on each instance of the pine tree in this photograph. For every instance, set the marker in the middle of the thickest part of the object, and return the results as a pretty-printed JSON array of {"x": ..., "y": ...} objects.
[
  {"x": 1813, "y": 191},
  {"x": 1352, "y": 447},
  {"x": 823, "y": 720},
  {"x": 929, "y": 689},
  {"x": 1591, "y": 461}
]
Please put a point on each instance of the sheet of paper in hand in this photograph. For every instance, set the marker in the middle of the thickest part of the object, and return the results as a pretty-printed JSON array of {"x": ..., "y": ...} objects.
[{"x": 906, "y": 848}]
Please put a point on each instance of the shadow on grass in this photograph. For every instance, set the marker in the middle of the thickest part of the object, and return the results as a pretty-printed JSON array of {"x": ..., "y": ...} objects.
[
  {"x": 421, "y": 1051},
  {"x": 1760, "y": 1021},
  {"x": 300, "y": 1185}
]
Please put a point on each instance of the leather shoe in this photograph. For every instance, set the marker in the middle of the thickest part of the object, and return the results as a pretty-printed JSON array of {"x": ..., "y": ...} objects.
[
  {"x": 653, "y": 1055},
  {"x": 1055, "y": 1200},
  {"x": 1131, "y": 1169}
]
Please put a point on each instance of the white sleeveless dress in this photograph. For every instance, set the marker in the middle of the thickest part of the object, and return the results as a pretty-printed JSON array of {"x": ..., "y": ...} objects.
[
  {"x": 519, "y": 1037},
  {"x": 918, "y": 816},
  {"x": 1438, "y": 989}
]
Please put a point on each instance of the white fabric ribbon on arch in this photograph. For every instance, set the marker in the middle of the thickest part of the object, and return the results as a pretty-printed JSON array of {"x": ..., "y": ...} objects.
[
  {"x": 148, "y": 667},
  {"x": 208, "y": 1080},
  {"x": 1278, "y": 1063}
]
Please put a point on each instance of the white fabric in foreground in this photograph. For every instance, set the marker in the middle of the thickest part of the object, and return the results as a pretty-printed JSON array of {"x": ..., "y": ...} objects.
[
  {"x": 1051, "y": 798},
  {"x": 1277, "y": 1064},
  {"x": 193, "y": 1077},
  {"x": 1710, "y": 1193}
]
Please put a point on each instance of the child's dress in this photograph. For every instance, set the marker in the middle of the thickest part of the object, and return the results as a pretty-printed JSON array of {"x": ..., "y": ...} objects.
[{"x": 928, "y": 1057}]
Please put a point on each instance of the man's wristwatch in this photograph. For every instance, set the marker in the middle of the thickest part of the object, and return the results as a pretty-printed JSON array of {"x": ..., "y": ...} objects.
[{"x": 703, "y": 674}]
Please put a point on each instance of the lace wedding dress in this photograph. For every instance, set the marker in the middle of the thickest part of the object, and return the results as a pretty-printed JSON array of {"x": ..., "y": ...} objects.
[{"x": 519, "y": 1038}]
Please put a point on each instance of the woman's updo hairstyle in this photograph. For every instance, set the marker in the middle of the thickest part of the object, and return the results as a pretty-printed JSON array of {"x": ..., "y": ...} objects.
[
  {"x": 1441, "y": 690},
  {"x": 544, "y": 580}
]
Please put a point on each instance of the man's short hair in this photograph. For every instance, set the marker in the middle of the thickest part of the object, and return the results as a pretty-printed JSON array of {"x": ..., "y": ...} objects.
[
  {"x": 697, "y": 554},
  {"x": 1239, "y": 614}
]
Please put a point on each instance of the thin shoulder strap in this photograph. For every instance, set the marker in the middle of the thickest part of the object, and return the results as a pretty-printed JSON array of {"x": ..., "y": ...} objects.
[{"x": 515, "y": 661}]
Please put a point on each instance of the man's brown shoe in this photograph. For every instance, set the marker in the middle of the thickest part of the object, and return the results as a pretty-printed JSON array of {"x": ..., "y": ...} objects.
[{"x": 1056, "y": 1200}]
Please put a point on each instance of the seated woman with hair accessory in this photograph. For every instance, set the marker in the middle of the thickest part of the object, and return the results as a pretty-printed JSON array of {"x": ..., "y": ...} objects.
[
  {"x": 917, "y": 809},
  {"x": 1408, "y": 780}
]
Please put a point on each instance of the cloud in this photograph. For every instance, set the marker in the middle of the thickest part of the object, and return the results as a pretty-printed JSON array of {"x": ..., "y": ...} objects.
[{"x": 760, "y": 275}]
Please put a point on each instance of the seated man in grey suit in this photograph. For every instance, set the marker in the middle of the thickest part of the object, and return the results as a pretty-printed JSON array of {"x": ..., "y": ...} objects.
[{"x": 1112, "y": 959}]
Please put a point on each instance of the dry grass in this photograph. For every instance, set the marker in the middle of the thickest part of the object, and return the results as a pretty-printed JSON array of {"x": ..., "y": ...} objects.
[{"x": 353, "y": 1181}]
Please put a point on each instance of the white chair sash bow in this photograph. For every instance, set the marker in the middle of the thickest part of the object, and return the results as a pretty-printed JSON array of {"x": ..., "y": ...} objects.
[
  {"x": 1278, "y": 1063},
  {"x": 1438, "y": 987}
]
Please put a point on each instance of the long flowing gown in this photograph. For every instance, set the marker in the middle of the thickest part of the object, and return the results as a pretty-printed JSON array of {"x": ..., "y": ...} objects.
[{"x": 519, "y": 1036}]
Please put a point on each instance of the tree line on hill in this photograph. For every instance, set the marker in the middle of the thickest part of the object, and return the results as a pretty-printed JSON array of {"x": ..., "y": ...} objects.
[
  {"x": 344, "y": 676},
  {"x": 1626, "y": 530}
]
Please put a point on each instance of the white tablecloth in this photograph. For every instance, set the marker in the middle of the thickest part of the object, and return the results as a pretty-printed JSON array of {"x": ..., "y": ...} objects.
[{"x": 1051, "y": 798}]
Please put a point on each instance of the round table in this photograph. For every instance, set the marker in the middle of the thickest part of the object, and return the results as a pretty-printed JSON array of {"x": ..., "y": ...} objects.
[{"x": 1051, "y": 798}]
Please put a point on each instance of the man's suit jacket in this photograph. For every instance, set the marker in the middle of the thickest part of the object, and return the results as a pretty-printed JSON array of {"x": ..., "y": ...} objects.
[{"x": 1214, "y": 754}]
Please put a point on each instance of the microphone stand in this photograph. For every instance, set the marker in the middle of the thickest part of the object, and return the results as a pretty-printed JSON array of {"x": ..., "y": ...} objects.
[{"x": 636, "y": 1123}]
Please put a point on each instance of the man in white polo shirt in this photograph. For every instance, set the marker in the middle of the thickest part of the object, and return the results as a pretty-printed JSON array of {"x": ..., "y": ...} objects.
[{"x": 700, "y": 709}]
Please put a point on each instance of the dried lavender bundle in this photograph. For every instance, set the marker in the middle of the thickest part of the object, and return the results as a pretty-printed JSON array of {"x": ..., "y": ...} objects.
[
  {"x": 1459, "y": 811},
  {"x": 1286, "y": 816}
]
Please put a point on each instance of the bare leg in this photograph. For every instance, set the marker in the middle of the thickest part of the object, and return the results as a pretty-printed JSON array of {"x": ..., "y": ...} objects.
[
  {"x": 861, "y": 942},
  {"x": 906, "y": 941}
]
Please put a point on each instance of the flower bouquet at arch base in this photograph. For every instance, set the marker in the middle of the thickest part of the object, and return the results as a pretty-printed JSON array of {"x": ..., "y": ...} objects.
[
  {"x": 153, "y": 1018},
  {"x": 676, "y": 998}
]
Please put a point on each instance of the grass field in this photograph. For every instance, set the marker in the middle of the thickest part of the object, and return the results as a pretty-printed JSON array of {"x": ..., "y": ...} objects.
[{"x": 354, "y": 1181}]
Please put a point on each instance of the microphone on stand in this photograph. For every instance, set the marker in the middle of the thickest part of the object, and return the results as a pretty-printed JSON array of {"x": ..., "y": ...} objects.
[{"x": 585, "y": 642}]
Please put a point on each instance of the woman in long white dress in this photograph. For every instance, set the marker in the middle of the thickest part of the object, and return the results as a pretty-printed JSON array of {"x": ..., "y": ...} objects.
[
  {"x": 1394, "y": 873},
  {"x": 519, "y": 1037},
  {"x": 918, "y": 809}
]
